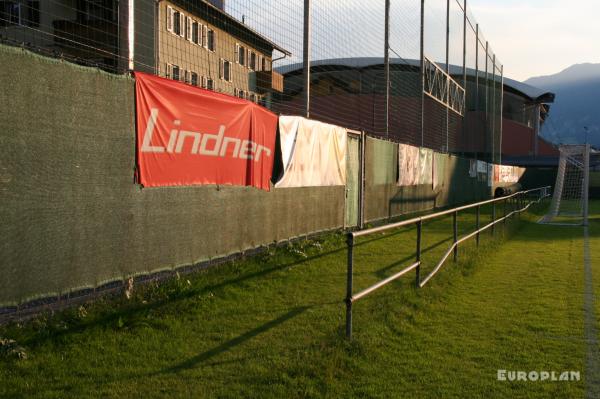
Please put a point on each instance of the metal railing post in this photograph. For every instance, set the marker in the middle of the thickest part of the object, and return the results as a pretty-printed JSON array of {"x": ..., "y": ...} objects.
[
  {"x": 477, "y": 223},
  {"x": 504, "y": 221},
  {"x": 350, "y": 243},
  {"x": 455, "y": 223},
  {"x": 493, "y": 218},
  {"x": 418, "y": 256}
]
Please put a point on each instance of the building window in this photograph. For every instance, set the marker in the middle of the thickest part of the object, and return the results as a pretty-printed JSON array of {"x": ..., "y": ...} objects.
[
  {"x": 240, "y": 54},
  {"x": 252, "y": 60},
  {"x": 210, "y": 84},
  {"x": 266, "y": 64},
  {"x": 173, "y": 72},
  {"x": 252, "y": 97},
  {"x": 10, "y": 13},
  {"x": 225, "y": 70},
  {"x": 196, "y": 33},
  {"x": 176, "y": 22},
  {"x": 194, "y": 78},
  {"x": 210, "y": 39},
  {"x": 241, "y": 93},
  {"x": 33, "y": 13}
]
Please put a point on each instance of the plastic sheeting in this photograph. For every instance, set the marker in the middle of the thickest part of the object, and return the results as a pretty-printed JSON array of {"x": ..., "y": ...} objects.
[
  {"x": 313, "y": 153},
  {"x": 415, "y": 165}
]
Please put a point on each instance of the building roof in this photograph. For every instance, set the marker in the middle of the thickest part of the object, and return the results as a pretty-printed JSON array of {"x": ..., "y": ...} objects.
[
  {"x": 533, "y": 94},
  {"x": 228, "y": 23}
]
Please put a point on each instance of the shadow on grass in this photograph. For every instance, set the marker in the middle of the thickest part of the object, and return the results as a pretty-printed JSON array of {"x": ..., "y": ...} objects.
[{"x": 228, "y": 345}]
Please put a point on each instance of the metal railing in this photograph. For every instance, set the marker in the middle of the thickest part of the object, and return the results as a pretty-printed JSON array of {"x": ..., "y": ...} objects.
[{"x": 518, "y": 203}]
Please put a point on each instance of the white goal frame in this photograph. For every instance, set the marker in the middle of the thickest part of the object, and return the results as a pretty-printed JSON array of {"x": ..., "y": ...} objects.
[{"x": 574, "y": 156}]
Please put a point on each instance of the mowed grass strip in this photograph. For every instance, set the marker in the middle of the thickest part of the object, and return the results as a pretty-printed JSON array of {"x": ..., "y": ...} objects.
[{"x": 272, "y": 326}]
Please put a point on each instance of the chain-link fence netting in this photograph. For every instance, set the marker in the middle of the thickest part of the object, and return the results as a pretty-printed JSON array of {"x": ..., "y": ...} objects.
[{"x": 440, "y": 87}]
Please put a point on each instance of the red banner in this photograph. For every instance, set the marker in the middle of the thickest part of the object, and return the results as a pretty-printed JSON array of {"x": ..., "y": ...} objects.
[{"x": 187, "y": 135}]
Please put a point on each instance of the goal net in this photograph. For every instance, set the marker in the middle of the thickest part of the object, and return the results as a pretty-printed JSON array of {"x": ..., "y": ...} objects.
[{"x": 570, "y": 198}]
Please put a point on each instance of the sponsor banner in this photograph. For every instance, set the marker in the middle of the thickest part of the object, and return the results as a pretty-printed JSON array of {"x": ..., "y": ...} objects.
[
  {"x": 187, "y": 135},
  {"x": 415, "y": 165},
  {"x": 313, "y": 153},
  {"x": 490, "y": 174},
  {"x": 509, "y": 174}
]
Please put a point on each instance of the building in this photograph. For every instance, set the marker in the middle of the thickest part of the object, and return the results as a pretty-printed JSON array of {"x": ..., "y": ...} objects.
[
  {"x": 194, "y": 41},
  {"x": 525, "y": 110},
  {"x": 83, "y": 31},
  {"x": 202, "y": 45}
]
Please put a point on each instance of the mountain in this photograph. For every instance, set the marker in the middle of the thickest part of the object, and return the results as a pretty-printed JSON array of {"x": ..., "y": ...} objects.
[{"x": 577, "y": 104}]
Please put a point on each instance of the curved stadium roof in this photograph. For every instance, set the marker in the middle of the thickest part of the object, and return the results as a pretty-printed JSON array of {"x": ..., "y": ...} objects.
[{"x": 532, "y": 93}]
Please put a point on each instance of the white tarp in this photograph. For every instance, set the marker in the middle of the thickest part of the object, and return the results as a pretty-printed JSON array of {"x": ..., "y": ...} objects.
[
  {"x": 314, "y": 153},
  {"x": 482, "y": 167},
  {"x": 415, "y": 165},
  {"x": 472, "y": 168}
]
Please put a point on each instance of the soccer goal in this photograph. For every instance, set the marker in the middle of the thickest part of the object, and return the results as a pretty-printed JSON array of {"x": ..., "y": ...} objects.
[{"x": 569, "y": 204}]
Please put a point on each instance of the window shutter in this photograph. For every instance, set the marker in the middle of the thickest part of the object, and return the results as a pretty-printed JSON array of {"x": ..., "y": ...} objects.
[
  {"x": 182, "y": 25},
  {"x": 236, "y": 55},
  {"x": 260, "y": 60},
  {"x": 205, "y": 35},
  {"x": 221, "y": 68},
  {"x": 169, "y": 70},
  {"x": 170, "y": 19},
  {"x": 189, "y": 28}
]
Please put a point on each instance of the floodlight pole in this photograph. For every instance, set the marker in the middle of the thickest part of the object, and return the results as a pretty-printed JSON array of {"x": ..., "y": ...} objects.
[{"x": 306, "y": 58}]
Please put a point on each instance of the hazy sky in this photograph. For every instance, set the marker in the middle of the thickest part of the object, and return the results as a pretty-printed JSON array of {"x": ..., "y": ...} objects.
[{"x": 540, "y": 37}]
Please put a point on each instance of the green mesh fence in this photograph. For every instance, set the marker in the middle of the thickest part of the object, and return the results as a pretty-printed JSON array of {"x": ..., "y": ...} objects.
[
  {"x": 72, "y": 217},
  {"x": 386, "y": 199}
]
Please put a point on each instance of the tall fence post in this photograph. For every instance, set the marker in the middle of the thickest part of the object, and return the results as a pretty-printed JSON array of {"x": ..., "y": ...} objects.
[
  {"x": 386, "y": 63},
  {"x": 418, "y": 256},
  {"x": 448, "y": 72},
  {"x": 477, "y": 223},
  {"x": 455, "y": 224},
  {"x": 306, "y": 57},
  {"x": 363, "y": 143},
  {"x": 422, "y": 72},
  {"x": 586, "y": 183},
  {"x": 350, "y": 242}
]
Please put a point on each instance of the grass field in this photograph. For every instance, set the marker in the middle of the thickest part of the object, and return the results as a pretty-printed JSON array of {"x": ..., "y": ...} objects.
[{"x": 272, "y": 326}]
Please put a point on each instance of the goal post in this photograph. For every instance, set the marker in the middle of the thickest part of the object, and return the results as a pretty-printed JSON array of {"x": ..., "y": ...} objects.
[{"x": 570, "y": 200}]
